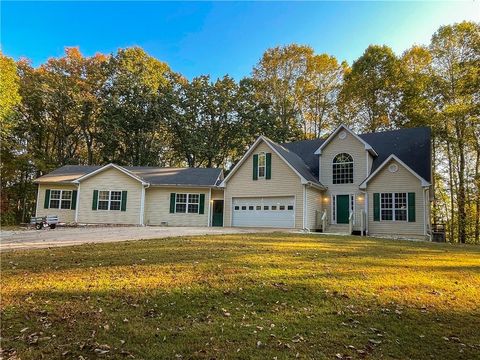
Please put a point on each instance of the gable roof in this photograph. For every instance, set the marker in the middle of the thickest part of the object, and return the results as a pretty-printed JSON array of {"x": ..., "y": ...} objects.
[
  {"x": 363, "y": 185},
  {"x": 412, "y": 146},
  {"x": 291, "y": 159},
  {"x": 155, "y": 176},
  {"x": 368, "y": 146},
  {"x": 111, "y": 166}
]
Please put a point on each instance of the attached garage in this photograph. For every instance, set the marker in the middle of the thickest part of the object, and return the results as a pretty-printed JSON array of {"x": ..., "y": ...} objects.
[{"x": 273, "y": 212}]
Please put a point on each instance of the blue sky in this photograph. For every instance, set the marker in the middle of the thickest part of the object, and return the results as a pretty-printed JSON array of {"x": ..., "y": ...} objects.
[{"x": 217, "y": 38}]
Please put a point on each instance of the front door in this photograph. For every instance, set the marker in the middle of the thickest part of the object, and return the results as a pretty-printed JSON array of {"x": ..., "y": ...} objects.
[
  {"x": 217, "y": 214},
  {"x": 343, "y": 209}
]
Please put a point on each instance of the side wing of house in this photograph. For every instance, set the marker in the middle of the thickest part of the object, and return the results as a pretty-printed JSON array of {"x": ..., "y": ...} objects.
[
  {"x": 110, "y": 197},
  {"x": 177, "y": 206},
  {"x": 57, "y": 199},
  {"x": 398, "y": 204},
  {"x": 264, "y": 191}
]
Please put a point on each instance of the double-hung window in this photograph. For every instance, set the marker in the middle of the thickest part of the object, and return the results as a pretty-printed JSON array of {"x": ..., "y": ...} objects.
[
  {"x": 60, "y": 199},
  {"x": 109, "y": 200},
  {"x": 393, "y": 206},
  {"x": 261, "y": 165},
  {"x": 187, "y": 203}
]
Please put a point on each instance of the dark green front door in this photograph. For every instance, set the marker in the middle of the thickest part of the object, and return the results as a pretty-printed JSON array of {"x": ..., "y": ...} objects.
[
  {"x": 342, "y": 209},
  {"x": 217, "y": 216}
]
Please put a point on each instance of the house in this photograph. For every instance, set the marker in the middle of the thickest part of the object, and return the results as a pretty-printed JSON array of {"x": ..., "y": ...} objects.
[
  {"x": 376, "y": 184},
  {"x": 113, "y": 194}
]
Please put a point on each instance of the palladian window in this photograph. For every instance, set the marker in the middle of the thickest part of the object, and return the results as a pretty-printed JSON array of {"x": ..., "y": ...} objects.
[{"x": 343, "y": 169}]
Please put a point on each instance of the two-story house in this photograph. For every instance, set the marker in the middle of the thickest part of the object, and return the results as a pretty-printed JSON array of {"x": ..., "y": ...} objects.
[{"x": 376, "y": 184}]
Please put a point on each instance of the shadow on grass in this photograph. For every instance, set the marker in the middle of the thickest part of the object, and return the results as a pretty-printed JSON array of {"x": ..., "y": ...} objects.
[{"x": 259, "y": 322}]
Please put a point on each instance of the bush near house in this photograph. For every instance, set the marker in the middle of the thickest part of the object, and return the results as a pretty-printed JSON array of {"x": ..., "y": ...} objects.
[{"x": 243, "y": 296}]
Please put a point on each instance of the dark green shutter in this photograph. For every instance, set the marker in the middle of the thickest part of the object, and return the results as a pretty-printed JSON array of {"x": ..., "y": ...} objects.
[
  {"x": 268, "y": 162},
  {"x": 411, "y": 207},
  {"x": 172, "y": 203},
  {"x": 95, "y": 200},
  {"x": 74, "y": 200},
  {"x": 47, "y": 199},
  {"x": 202, "y": 204},
  {"x": 124, "y": 201},
  {"x": 376, "y": 207},
  {"x": 255, "y": 167}
]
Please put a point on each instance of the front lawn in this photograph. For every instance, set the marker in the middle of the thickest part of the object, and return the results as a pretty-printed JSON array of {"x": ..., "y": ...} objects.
[{"x": 243, "y": 296}]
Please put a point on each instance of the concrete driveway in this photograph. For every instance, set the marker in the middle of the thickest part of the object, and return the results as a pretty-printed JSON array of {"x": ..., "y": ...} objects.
[{"x": 64, "y": 236}]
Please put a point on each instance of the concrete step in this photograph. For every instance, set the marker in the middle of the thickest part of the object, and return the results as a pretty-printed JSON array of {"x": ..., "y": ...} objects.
[{"x": 337, "y": 228}]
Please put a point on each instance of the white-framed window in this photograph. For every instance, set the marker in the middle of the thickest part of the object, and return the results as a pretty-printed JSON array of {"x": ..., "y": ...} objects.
[
  {"x": 187, "y": 203},
  {"x": 342, "y": 169},
  {"x": 109, "y": 200},
  {"x": 60, "y": 199},
  {"x": 393, "y": 207},
  {"x": 262, "y": 161}
]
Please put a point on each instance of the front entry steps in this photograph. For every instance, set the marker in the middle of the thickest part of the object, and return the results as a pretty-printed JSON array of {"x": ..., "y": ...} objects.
[{"x": 338, "y": 229}]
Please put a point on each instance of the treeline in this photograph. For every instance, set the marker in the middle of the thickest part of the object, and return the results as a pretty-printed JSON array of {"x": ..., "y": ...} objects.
[{"x": 132, "y": 109}]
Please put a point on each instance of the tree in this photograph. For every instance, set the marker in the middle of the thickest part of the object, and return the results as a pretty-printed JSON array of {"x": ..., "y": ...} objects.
[
  {"x": 9, "y": 95},
  {"x": 369, "y": 97},
  {"x": 318, "y": 91},
  {"x": 277, "y": 77},
  {"x": 131, "y": 132},
  {"x": 456, "y": 60}
]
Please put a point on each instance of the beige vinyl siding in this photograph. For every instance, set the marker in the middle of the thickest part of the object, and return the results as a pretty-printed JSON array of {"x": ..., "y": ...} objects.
[
  {"x": 314, "y": 205},
  {"x": 356, "y": 149},
  {"x": 157, "y": 207},
  {"x": 217, "y": 194},
  {"x": 110, "y": 179},
  {"x": 400, "y": 181},
  {"x": 284, "y": 182},
  {"x": 64, "y": 215}
]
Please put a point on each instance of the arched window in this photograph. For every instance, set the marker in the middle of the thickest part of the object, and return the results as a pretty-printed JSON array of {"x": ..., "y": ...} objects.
[{"x": 343, "y": 169}]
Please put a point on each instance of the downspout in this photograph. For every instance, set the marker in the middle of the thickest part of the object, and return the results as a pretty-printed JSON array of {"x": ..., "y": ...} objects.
[
  {"x": 142, "y": 205},
  {"x": 209, "y": 220},
  {"x": 305, "y": 207},
  {"x": 425, "y": 189},
  {"x": 38, "y": 197},
  {"x": 365, "y": 205},
  {"x": 78, "y": 203}
]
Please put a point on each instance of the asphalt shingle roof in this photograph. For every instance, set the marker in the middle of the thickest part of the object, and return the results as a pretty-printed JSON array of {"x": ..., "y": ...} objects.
[
  {"x": 412, "y": 146},
  {"x": 152, "y": 175}
]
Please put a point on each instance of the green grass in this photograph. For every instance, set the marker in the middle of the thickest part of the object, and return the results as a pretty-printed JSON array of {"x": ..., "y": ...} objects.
[{"x": 243, "y": 296}]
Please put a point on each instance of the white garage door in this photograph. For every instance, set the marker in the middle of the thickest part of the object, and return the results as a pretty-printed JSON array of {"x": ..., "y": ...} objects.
[{"x": 277, "y": 212}]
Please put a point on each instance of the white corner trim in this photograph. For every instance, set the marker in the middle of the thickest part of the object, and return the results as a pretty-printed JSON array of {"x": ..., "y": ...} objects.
[
  {"x": 304, "y": 207},
  {"x": 363, "y": 185},
  {"x": 38, "y": 197},
  {"x": 78, "y": 203},
  {"x": 108, "y": 166},
  {"x": 209, "y": 220},
  {"x": 142, "y": 206},
  {"x": 368, "y": 147}
]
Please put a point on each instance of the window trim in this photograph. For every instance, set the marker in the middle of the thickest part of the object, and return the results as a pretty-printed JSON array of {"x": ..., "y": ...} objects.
[
  {"x": 187, "y": 202},
  {"x": 264, "y": 166},
  {"x": 393, "y": 208},
  {"x": 60, "y": 199},
  {"x": 110, "y": 200},
  {"x": 349, "y": 162}
]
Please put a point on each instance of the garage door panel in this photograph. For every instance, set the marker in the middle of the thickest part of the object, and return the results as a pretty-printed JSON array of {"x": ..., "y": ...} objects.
[{"x": 277, "y": 212}]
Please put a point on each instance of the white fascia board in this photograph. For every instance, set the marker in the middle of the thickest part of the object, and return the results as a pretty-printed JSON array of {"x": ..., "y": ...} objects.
[
  {"x": 368, "y": 147},
  {"x": 266, "y": 141},
  {"x": 424, "y": 182},
  {"x": 108, "y": 166}
]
